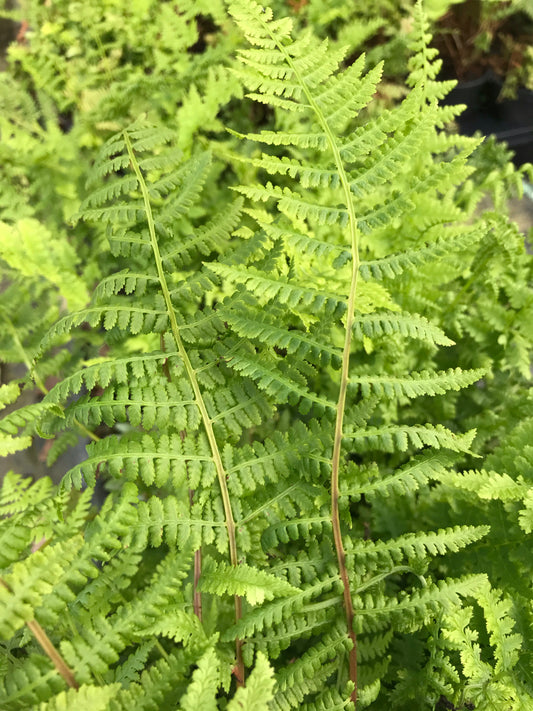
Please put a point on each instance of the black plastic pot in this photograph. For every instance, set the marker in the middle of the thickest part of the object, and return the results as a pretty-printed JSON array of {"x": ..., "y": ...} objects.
[{"x": 510, "y": 120}]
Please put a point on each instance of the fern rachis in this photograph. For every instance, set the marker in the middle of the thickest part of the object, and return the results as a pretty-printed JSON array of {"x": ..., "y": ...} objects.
[{"x": 221, "y": 473}]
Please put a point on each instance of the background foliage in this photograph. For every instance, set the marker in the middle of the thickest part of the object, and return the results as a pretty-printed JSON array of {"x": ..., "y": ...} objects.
[{"x": 180, "y": 298}]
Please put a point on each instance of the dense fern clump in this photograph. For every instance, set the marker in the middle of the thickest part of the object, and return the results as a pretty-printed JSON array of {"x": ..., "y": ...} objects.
[{"x": 294, "y": 404}]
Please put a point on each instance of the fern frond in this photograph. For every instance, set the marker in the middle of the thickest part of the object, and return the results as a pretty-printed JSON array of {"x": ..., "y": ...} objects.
[
  {"x": 25, "y": 416},
  {"x": 399, "y": 437},
  {"x": 21, "y": 506},
  {"x": 201, "y": 692},
  {"x": 263, "y": 326},
  {"x": 396, "y": 264},
  {"x": 304, "y": 527},
  {"x": 413, "y": 611},
  {"x": 104, "y": 371},
  {"x": 416, "y": 384},
  {"x": 86, "y": 698},
  {"x": 130, "y": 670},
  {"x": 333, "y": 700},
  {"x": 444, "y": 176},
  {"x": 10, "y": 445},
  {"x": 289, "y": 293},
  {"x": 41, "y": 254},
  {"x": 205, "y": 240},
  {"x": 30, "y": 682},
  {"x": 418, "y": 545},
  {"x": 110, "y": 527},
  {"x": 146, "y": 406},
  {"x": 132, "y": 319},
  {"x": 420, "y": 469},
  {"x": 488, "y": 484},
  {"x": 171, "y": 520},
  {"x": 256, "y": 394},
  {"x": 485, "y": 686},
  {"x": 98, "y": 646},
  {"x": 372, "y": 134},
  {"x": 108, "y": 587},
  {"x": 497, "y": 610},
  {"x": 299, "y": 679},
  {"x": 24, "y": 587},
  {"x": 243, "y": 580},
  {"x": 127, "y": 281},
  {"x": 19, "y": 495},
  {"x": 391, "y": 156},
  {"x": 306, "y": 243},
  {"x": 258, "y": 693},
  {"x": 256, "y": 464},
  {"x": 276, "y": 612},
  {"x": 375, "y": 325},
  {"x": 153, "y": 459},
  {"x": 290, "y": 203},
  {"x": 280, "y": 380},
  {"x": 316, "y": 140},
  {"x": 154, "y": 684}
]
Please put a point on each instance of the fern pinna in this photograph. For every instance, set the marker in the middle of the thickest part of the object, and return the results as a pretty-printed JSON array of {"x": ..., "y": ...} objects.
[{"x": 254, "y": 405}]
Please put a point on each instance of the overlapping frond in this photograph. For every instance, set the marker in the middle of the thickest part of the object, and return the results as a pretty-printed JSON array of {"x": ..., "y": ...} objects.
[{"x": 254, "y": 381}]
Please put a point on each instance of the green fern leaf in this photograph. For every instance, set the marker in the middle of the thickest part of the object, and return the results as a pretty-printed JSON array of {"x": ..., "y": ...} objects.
[
  {"x": 383, "y": 324},
  {"x": 86, "y": 698},
  {"x": 258, "y": 692},
  {"x": 420, "y": 544},
  {"x": 256, "y": 585},
  {"x": 25, "y": 585},
  {"x": 416, "y": 384},
  {"x": 274, "y": 613},
  {"x": 396, "y": 264},
  {"x": 201, "y": 693},
  {"x": 288, "y": 293},
  {"x": 392, "y": 437}
]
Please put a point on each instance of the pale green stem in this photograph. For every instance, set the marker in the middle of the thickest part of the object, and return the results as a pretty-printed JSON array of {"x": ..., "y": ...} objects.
[
  {"x": 207, "y": 421},
  {"x": 341, "y": 403}
]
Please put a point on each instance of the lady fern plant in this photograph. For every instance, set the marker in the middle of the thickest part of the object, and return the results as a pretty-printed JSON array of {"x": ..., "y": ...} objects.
[{"x": 254, "y": 414}]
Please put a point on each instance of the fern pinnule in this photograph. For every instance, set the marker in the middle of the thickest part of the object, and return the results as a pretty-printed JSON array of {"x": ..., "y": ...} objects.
[
  {"x": 281, "y": 381},
  {"x": 205, "y": 240},
  {"x": 413, "y": 611},
  {"x": 290, "y": 293},
  {"x": 252, "y": 584},
  {"x": 172, "y": 520}
]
